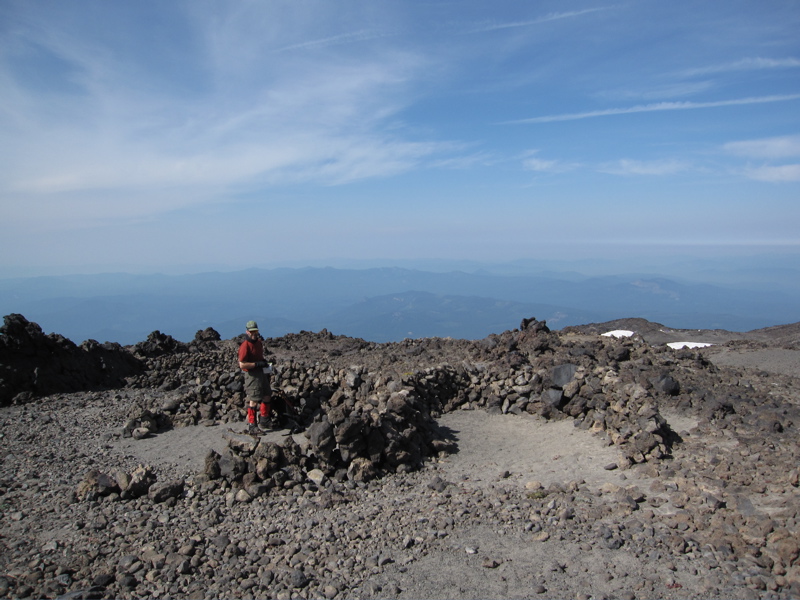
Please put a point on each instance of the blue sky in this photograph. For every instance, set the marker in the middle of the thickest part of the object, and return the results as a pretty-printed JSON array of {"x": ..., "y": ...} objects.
[{"x": 150, "y": 136}]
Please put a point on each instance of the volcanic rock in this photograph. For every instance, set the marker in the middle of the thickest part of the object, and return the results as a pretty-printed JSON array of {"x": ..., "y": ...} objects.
[
  {"x": 367, "y": 501},
  {"x": 33, "y": 364}
]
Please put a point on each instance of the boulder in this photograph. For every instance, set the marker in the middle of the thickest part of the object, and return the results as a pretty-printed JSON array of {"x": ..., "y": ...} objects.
[
  {"x": 322, "y": 439},
  {"x": 361, "y": 470},
  {"x": 96, "y": 485},
  {"x": 231, "y": 466},
  {"x": 209, "y": 334},
  {"x": 161, "y": 492},
  {"x": 138, "y": 483},
  {"x": 158, "y": 344},
  {"x": 561, "y": 375},
  {"x": 665, "y": 384}
]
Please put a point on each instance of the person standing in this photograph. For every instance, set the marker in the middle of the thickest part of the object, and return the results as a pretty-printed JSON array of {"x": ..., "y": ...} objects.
[{"x": 256, "y": 379}]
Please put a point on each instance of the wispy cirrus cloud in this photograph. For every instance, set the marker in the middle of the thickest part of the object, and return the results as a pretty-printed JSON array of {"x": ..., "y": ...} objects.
[
  {"x": 745, "y": 64},
  {"x": 769, "y": 148},
  {"x": 683, "y": 83},
  {"x": 540, "y": 165},
  {"x": 329, "y": 123},
  {"x": 656, "y": 107},
  {"x": 658, "y": 92},
  {"x": 774, "y": 174},
  {"x": 555, "y": 16},
  {"x": 336, "y": 40},
  {"x": 460, "y": 162},
  {"x": 659, "y": 106},
  {"x": 644, "y": 167}
]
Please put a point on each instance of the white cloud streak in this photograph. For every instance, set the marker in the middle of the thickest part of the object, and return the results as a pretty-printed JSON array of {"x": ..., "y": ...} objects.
[
  {"x": 628, "y": 167},
  {"x": 539, "y": 165},
  {"x": 657, "y": 107},
  {"x": 769, "y": 148},
  {"x": 538, "y": 21},
  {"x": 746, "y": 64},
  {"x": 336, "y": 40},
  {"x": 777, "y": 174},
  {"x": 660, "y": 92}
]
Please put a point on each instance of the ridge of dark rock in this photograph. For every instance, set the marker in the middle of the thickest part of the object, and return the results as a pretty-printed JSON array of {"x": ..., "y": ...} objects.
[{"x": 34, "y": 364}]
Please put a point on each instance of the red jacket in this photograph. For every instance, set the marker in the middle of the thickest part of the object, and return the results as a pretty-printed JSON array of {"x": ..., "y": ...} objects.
[{"x": 251, "y": 351}]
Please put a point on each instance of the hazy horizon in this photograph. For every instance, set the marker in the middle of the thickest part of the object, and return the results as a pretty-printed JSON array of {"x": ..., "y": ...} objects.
[
  {"x": 384, "y": 302},
  {"x": 605, "y": 259}
]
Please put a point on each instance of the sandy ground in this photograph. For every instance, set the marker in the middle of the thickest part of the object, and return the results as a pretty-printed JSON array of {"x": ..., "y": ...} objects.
[
  {"x": 184, "y": 449},
  {"x": 522, "y": 449},
  {"x": 500, "y": 452},
  {"x": 504, "y": 452},
  {"x": 772, "y": 360},
  {"x": 494, "y": 451},
  {"x": 490, "y": 447}
]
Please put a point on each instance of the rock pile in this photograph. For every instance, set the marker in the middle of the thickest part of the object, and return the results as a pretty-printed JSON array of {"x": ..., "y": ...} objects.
[
  {"x": 376, "y": 404},
  {"x": 351, "y": 506}
]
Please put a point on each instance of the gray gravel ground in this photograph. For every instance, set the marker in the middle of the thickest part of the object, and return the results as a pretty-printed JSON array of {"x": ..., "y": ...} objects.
[{"x": 525, "y": 509}]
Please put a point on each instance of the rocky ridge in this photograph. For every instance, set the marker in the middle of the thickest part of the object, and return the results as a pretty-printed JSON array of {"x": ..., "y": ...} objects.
[{"x": 357, "y": 504}]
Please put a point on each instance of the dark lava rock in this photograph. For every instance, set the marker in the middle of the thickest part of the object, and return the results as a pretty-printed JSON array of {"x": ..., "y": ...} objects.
[{"x": 33, "y": 364}]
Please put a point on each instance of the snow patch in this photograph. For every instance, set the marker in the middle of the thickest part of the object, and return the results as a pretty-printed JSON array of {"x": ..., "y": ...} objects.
[
  {"x": 619, "y": 333},
  {"x": 679, "y": 345}
]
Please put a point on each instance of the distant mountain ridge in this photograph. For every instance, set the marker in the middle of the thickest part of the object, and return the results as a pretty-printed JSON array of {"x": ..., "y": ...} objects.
[{"x": 380, "y": 304}]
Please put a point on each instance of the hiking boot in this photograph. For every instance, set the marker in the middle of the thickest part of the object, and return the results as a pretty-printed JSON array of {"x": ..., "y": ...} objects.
[
  {"x": 263, "y": 422},
  {"x": 293, "y": 426},
  {"x": 252, "y": 429}
]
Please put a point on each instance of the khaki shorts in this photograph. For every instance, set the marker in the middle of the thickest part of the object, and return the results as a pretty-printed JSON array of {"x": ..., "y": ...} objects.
[{"x": 256, "y": 385}]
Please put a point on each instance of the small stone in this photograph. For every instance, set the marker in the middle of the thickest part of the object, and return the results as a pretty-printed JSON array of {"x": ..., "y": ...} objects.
[
  {"x": 34, "y": 577},
  {"x": 248, "y": 584},
  {"x": 317, "y": 476},
  {"x": 298, "y": 579},
  {"x": 102, "y": 580},
  {"x": 438, "y": 484},
  {"x": 127, "y": 581},
  {"x": 373, "y": 589}
]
